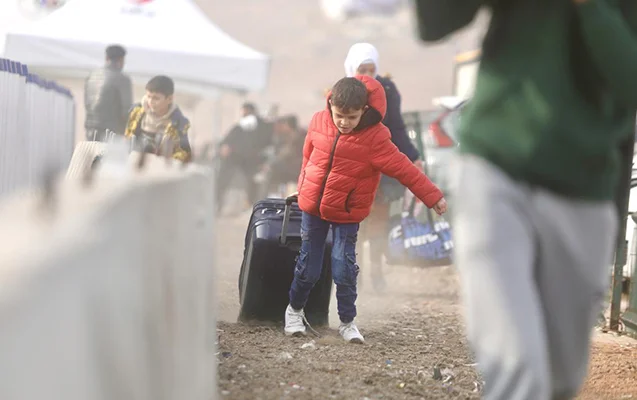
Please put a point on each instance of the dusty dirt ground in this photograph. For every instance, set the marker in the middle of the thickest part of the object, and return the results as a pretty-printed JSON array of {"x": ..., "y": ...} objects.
[
  {"x": 613, "y": 369},
  {"x": 410, "y": 331},
  {"x": 417, "y": 325},
  {"x": 415, "y": 347}
]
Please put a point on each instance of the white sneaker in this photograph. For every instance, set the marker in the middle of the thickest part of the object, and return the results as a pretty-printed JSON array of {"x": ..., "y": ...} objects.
[
  {"x": 350, "y": 333},
  {"x": 294, "y": 325}
]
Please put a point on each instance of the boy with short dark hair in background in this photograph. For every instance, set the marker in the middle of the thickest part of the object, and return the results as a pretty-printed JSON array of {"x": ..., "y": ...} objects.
[{"x": 157, "y": 120}]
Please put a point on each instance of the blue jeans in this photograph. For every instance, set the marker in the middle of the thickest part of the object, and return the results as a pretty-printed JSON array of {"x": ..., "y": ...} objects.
[{"x": 310, "y": 263}]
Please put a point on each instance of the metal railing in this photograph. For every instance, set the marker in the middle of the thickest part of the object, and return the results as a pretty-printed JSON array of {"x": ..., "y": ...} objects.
[{"x": 37, "y": 126}]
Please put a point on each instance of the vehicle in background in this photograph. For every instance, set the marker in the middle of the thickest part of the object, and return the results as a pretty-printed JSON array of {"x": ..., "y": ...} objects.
[
  {"x": 435, "y": 135},
  {"x": 419, "y": 237},
  {"x": 435, "y": 131},
  {"x": 465, "y": 72}
]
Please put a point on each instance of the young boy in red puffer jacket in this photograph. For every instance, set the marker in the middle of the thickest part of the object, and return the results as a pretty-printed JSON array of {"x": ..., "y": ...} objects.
[{"x": 346, "y": 149}]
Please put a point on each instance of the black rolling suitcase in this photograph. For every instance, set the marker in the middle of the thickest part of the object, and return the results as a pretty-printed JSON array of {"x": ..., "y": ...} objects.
[{"x": 272, "y": 244}]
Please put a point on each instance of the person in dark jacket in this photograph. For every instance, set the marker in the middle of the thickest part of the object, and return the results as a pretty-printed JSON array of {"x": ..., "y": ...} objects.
[
  {"x": 108, "y": 96},
  {"x": 242, "y": 150},
  {"x": 362, "y": 59},
  {"x": 283, "y": 164}
]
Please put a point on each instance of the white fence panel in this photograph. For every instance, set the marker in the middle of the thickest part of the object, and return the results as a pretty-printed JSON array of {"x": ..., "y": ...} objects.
[
  {"x": 109, "y": 293},
  {"x": 37, "y": 123}
]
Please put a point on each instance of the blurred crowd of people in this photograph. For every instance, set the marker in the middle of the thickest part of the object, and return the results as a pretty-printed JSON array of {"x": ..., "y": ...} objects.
[
  {"x": 260, "y": 154},
  {"x": 266, "y": 152}
]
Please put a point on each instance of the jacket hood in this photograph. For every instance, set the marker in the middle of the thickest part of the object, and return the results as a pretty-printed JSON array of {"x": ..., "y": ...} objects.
[
  {"x": 361, "y": 53},
  {"x": 376, "y": 100}
]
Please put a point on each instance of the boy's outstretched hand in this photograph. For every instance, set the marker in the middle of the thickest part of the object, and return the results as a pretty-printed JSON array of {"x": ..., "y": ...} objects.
[{"x": 441, "y": 206}]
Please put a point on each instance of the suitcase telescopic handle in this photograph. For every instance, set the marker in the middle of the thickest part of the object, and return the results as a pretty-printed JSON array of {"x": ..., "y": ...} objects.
[
  {"x": 286, "y": 217},
  {"x": 291, "y": 199}
]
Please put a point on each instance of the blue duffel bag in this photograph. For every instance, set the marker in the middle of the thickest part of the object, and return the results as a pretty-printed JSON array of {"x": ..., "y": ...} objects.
[{"x": 419, "y": 238}]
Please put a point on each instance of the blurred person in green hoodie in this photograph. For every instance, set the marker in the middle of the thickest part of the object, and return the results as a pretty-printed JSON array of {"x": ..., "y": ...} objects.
[{"x": 534, "y": 217}]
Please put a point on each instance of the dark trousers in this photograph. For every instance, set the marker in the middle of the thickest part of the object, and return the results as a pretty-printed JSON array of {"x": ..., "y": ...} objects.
[{"x": 227, "y": 170}]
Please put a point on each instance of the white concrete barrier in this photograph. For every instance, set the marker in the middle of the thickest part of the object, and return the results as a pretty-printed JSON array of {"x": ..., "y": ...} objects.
[
  {"x": 37, "y": 126},
  {"x": 106, "y": 292}
]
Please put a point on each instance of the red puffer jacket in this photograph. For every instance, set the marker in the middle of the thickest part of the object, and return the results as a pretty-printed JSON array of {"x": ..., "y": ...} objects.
[{"x": 341, "y": 172}]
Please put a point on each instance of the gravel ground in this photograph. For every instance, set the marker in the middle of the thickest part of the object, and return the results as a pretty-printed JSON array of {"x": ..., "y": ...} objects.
[{"x": 415, "y": 347}]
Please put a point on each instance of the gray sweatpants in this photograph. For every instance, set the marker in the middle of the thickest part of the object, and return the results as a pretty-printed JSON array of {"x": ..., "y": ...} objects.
[{"x": 534, "y": 268}]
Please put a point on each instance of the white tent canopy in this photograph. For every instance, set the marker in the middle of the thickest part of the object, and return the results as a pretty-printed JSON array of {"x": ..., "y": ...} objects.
[{"x": 168, "y": 37}]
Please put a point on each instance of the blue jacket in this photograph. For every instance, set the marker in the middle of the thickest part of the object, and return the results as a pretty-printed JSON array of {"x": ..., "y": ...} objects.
[
  {"x": 390, "y": 188},
  {"x": 394, "y": 120}
]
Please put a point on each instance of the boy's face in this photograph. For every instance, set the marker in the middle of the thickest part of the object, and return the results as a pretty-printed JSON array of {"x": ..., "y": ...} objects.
[
  {"x": 159, "y": 103},
  {"x": 346, "y": 120}
]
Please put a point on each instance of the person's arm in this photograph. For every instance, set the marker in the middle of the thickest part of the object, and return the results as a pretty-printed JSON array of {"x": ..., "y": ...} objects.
[
  {"x": 87, "y": 92},
  {"x": 126, "y": 97},
  {"x": 307, "y": 149},
  {"x": 232, "y": 138},
  {"x": 439, "y": 18},
  {"x": 133, "y": 120},
  {"x": 307, "y": 144},
  {"x": 265, "y": 136},
  {"x": 612, "y": 45},
  {"x": 390, "y": 161},
  {"x": 394, "y": 121},
  {"x": 182, "y": 150}
]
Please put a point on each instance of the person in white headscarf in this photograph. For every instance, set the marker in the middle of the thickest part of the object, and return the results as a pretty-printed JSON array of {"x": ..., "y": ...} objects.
[{"x": 363, "y": 59}]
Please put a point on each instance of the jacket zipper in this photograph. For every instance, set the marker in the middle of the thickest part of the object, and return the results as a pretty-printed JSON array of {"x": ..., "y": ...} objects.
[
  {"x": 327, "y": 174},
  {"x": 347, "y": 200}
]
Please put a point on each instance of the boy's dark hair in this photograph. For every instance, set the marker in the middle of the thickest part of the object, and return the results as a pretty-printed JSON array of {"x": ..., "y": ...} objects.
[
  {"x": 349, "y": 94},
  {"x": 161, "y": 84},
  {"x": 115, "y": 52}
]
